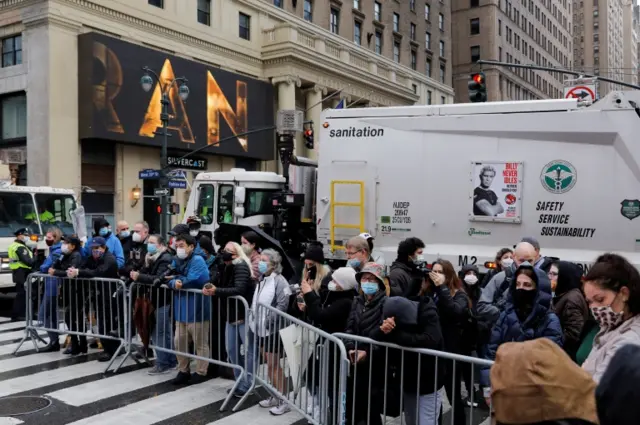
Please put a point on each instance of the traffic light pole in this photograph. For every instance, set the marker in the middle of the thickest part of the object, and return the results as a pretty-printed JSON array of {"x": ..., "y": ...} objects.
[{"x": 164, "y": 164}]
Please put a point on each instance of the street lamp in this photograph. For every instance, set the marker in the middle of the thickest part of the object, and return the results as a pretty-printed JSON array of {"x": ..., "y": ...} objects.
[{"x": 147, "y": 83}]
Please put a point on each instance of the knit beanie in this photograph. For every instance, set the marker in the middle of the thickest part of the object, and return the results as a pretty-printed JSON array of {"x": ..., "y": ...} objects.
[{"x": 346, "y": 277}]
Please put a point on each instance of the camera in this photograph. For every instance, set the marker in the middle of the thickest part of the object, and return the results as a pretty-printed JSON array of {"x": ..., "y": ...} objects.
[{"x": 423, "y": 268}]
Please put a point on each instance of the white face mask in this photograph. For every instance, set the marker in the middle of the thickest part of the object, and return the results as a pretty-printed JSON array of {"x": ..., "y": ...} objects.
[
  {"x": 64, "y": 248},
  {"x": 506, "y": 263},
  {"x": 247, "y": 249},
  {"x": 136, "y": 237},
  {"x": 419, "y": 259},
  {"x": 471, "y": 279},
  {"x": 332, "y": 286},
  {"x": 194, "y": 233},
  {"x": 181, "y": 253}
]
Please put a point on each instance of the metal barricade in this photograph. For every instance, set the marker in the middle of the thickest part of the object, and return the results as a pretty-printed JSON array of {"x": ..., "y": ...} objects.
[
  {"x": 91, "y": 307},
  {"x": 183, "y": 325},
  {"x": 391, "y": 381},
  {"x": 303, "y": 366}
]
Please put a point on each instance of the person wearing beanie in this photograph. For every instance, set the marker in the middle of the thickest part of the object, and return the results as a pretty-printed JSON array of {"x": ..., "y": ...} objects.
[
  {"x": 536, "y": 382},
  {"x": 314, "y": 270},
  {"x": 618, "y": 392}
]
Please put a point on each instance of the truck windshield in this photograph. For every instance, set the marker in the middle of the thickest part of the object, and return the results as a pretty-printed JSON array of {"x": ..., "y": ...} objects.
[
  {"x": 55, "y": 210},
  {"x": 17, "y": 211}
]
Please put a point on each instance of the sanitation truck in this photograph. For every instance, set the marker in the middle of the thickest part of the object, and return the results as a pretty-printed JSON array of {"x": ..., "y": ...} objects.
[{"x": 468, "y": 179}]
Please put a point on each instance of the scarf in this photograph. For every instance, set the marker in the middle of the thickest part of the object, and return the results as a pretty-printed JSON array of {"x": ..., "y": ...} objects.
[{"x": 150, "y": 259}]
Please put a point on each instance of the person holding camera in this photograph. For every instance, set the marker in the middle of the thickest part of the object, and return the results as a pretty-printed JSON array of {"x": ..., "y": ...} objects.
[{"x": 408, "y": 270}]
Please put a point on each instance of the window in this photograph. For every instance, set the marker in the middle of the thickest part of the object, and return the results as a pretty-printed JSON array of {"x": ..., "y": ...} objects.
[
  {"x": 441, "y": 48},
  {"x": 278, "y": 3},
  {"x": 334, "y": 24},
  {"x": 413, "y": 31},
  {"x": 414, "y": 60},
  {"x": 428, "y": 68},
  {"x": 443, "y": 71},
  {"x": 357, "y": 33},
  {"x": 427, "y": 12},
  {"x": 428, "y": 97},
  {"x": 16, "y": 206},
  {"x": 414, "y": 87},
  {"x": 12, "y": 51},
  {"x": 225, "y": 203},
  {"x": 245, "y": 26},
  {"x": 474, "y": 26},
  {"x": 156, "y": 3},
  {"x": 378, "y": 42},
  {"x": 204, "y": 12},
  {"x": 356, "y": 4},
  {"x": 441, "y": 22},
  {"x": 258, "y": 202},
  {"x": 475, "y": 3},
  {"x": 396, "y": 22},
  {"x": 427, "y": 40},
  {"x": 396, "y": 51},
  {"x": 499, "y": 27},
  {"x": 308, "y": 10},
  {"x": 443, "y": 100},
  {"x": 377, "y": 11},
  {"x": 475, "y": 53},
  {"x": 14, "y": 117},
  {"x": 59, "y": 209},
  {"x": 206, "y": 196}
]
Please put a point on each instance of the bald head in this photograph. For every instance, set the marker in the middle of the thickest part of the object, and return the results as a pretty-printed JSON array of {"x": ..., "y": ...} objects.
[
  {"x": 524, "y": 252},
  {"x": 122, "y": 225}
]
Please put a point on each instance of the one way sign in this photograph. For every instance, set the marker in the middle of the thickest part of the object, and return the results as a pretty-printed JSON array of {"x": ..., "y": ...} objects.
[{"x": 162, "y": 192}]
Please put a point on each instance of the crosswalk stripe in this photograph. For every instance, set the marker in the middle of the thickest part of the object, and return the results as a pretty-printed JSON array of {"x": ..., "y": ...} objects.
[
  {"x": 12, "y": 325},
  {"x": 10, "y": 336},
  {"x": 92, "y": 392},
  {"x": 255, "y": 415},
  {"x": 28, "y": 345},
  {"x": 10, "y": 421},
  {"x": 16, "y": 363},
  {"x": 165, "y": 406}
]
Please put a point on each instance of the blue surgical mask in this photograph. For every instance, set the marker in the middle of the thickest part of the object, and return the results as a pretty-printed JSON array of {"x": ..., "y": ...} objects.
[
  {"x": 354, "y": 263},
  {"x": 262, "y": 267},
  {"x": 124, "y": 233},
  {"x": 369, "y": 288},
  {"x": 152, "y": 248},
  {"x": 104, "y": 231}
]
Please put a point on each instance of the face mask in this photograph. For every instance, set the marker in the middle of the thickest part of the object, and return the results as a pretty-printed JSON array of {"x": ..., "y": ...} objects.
[
  {"x": 606, "y": 317},
  {"x": 49, "y": 242},
  {"x": 152, "y": 248},
  {"x": 97, "y": 253},
  {"x": 125, "y": 234},
  {"x": 136, "y": 237},
  {"x": 354, "y": 263},
  {"x": 104, "y": 231},
  {"x": 262, "y": 267},
  {"x": 419, "y": 259},
  {"x": 181, "y": 253},
  {"x": 506, "y": 263},
  {"x": 194, "y": 233},
  {"x": 523, "y": 297},
  {"x": 369, "y": 288},
  {"x": 332, "y": 286},
  {"x": 471, "y": 279},
  {"x": 227, "y": 256},
  {"x": 64, "y": 248},
  {"x": 247, "y": 249}
]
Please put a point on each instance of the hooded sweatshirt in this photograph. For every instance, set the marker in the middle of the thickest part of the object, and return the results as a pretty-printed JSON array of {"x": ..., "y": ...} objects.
[
  {"x": 547, "y": 386},
  {"x": 570, "y": 305}
]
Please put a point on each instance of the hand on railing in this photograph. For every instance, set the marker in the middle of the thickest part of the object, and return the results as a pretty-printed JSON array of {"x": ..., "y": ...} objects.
[
  {"x": 51, "y": 271},
  {"x": 177, "y": 284},
  {"x": 356, "y": 356},
  {"x": 134, "y": 275},
  {"x": 72, "y": 272},
  {"x": 209, "y": 290}
]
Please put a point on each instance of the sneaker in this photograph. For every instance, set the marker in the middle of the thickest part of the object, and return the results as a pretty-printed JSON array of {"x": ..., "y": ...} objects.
[
  {"x": 158, "y": 370},
  {"x": 280, "y": 409},
  {"x": 270, "y": 402},
  {"x": 311, "y": 403}
]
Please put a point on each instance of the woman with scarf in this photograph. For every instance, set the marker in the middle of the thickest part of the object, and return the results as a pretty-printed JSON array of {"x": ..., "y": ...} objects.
[{"x": 156, "y": 265}]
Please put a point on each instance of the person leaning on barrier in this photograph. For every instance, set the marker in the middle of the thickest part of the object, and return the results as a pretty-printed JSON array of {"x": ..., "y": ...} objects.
[
  {"x": 102, "y": 229},
  {"x": 102, "y": 264},
  {"x": 73, "y": 295},
  {"x": 157, "y": 264},
  {"x": 237, "y": 280},
  {"x": 414, "y": 323},
  {"x": 273, "y": 290},
  {"x": 21, "y": 262},
  {"x": 48, "y": 312},
  {"x": 536, "y": 383},
  {"x": 191, "y": 311}
]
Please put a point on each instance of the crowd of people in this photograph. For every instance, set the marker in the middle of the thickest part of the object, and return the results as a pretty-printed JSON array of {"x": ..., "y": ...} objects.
[{"x": 555, "y": 335}]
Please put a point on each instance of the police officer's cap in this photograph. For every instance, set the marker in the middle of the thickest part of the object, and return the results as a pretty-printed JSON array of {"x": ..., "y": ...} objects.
[{"x": 23, "y": 231}]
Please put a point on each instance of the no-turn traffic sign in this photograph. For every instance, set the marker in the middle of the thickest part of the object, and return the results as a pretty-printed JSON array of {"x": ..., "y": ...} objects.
[{"x": 581, "y": 93}]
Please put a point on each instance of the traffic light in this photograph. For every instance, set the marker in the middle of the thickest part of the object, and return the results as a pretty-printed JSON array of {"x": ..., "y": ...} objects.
[
  {"x": 308, "y": 138},
  {"x": 478, "y": 88},
  {"x": 159, "y": 209}
]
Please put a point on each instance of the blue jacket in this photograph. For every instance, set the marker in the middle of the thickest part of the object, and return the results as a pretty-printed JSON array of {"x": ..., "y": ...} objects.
[
  {"x": 193, "y": 273},
  {"x": 114, "y": 245},
  {"x": 51, "y": 283},
  {"x": 541, "y": 323}
]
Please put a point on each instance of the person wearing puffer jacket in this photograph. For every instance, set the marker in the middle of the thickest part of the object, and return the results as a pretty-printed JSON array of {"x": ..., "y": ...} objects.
[{"x": 526, "y": 316}]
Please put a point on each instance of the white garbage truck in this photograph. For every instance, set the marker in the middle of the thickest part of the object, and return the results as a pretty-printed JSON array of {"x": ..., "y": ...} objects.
[{"x": 468, "y": 179}]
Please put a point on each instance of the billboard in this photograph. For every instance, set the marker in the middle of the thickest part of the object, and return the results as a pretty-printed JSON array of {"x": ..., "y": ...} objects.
[{"x": 221, "y": 104}]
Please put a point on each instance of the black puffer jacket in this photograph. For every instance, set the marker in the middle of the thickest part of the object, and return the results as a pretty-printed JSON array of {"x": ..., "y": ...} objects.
[
  {"x": 365, "y": 319},
  {"x": 328, "y": 310},
  {"x": 454, "y": 312},
  {"x": 72, "y": 259},
  {"x": 236, "y": 281},
  {"x": 160, "y": 297},
  {"x": 404, "y": 279},
  {"x": 105, "y": 267}
]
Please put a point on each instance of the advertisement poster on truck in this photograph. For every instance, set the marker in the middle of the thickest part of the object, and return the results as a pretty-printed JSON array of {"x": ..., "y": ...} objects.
[{"x": 496, "y": 191}]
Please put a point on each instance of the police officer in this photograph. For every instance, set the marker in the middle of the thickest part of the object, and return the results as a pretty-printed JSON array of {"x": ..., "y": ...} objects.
[{"x": 21, "y": 264}]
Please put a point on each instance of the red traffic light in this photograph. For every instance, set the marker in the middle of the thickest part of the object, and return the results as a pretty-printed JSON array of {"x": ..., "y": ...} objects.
[
  {"x": 478, "y": 78},
  {"x": 308, "y": 133},
  {"x": 159, "y": 209}
]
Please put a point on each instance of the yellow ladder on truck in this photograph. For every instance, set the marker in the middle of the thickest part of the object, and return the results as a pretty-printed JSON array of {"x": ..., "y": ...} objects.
[{"x": 334, "y": 204}]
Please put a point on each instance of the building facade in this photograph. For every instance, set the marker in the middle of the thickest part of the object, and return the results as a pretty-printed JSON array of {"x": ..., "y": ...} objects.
[
  {"x": 630, "y": 42},
  {"x": 71, "y": 96},
  {"x": 519, "y": 32}
]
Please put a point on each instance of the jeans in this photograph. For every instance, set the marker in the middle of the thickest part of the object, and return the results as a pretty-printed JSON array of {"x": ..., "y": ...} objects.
[
  {"x": 235, "y": 337},
  {"x": 428, "y": 408},
  {"x": 48, "y": 315},
  {"x": 161, "y": 336}
]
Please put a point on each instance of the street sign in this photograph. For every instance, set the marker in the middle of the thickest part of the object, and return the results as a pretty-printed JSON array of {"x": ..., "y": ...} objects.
[
  {"x": 149, "y": 174},
  {"x": 177, "y": 184},
  {"x": 162, "y": 192},
  {"x": 177, "y": 174},
  {"x": 581, "y": 92}
]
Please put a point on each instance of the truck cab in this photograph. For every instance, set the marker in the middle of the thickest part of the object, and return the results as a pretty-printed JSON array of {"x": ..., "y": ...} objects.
[{"x": 36, "y": 208}]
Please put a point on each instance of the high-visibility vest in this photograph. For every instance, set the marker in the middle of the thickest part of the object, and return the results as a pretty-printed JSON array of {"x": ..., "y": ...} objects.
[
  {"x": 15, "y": 262},
  {"x": 45, "y": 216}
]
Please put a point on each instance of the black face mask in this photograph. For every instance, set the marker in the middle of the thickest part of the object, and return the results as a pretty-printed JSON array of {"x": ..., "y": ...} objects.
[
  {"x": 523, "y": 298},
  {"x": 227, "y": 256}
]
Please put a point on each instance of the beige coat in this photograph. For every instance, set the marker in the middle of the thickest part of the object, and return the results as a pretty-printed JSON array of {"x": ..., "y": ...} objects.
[{"x": 607, "y": 343}]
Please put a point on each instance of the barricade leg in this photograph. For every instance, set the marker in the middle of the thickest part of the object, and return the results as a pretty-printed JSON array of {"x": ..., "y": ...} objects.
[
  {"x": 30, "y": 333},
  {"x": 250, "y": 360}
]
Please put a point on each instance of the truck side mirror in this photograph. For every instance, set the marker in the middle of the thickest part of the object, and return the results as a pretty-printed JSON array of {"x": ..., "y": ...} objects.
[
  {"x": 240, "y": 194},
  {"x": 238, "y": 212}
]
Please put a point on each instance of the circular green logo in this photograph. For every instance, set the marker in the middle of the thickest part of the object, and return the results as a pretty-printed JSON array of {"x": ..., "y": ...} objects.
[{"x": 558, "y": 176}]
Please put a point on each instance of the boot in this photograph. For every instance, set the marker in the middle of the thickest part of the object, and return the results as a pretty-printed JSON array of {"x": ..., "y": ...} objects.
[
  {"x": 52, "y": 347},
  {"x": 73, "y": 346},
  {"x": 82, "y": 346}
]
